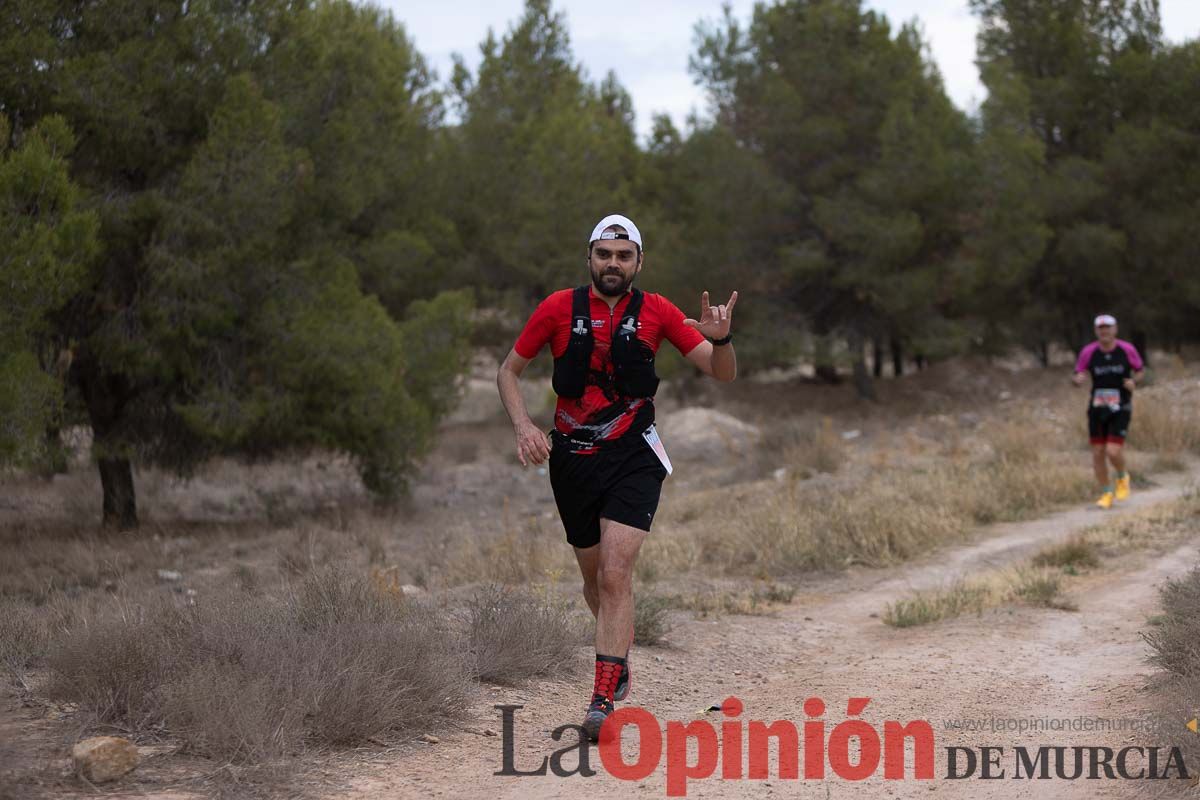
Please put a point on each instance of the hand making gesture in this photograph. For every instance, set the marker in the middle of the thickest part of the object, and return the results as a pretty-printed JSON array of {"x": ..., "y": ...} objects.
[{"x": 714, "y": 321}]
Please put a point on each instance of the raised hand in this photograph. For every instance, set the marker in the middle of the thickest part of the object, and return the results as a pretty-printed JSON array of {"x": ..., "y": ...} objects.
[{"x": 714, "y": 321}]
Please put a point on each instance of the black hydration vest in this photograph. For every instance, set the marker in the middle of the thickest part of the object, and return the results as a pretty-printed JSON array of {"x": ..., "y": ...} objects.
[{"x": 633, "y": 360}]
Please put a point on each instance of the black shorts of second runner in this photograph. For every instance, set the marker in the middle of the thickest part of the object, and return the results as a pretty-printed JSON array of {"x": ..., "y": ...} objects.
[
  {"x": 1107, "y": 426},
  {"x": 621, "y": 483}
]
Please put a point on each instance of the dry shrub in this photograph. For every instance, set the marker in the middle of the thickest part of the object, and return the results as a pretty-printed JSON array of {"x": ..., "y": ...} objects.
[
  {"x": 1175, "y": 641},
  {"x": 651, "y": 619},
  {"x": 1175, "y": 702},
  {"x": 667, "y": 551},
  {"x": 1168, "y": 462},
  {"x": 309, "y": 547},
  {"x": 515, "y": 634},
  {"x": 247, "y": 677},
  {"x": 1019, "y": 445},
  {"x": 24, "y": 637},
  {"x": 38, "y": 564},
  {"x": 1165, "y": 425},
  {"x": 512, "y": 557},
  {"x": 806, "y": 445}
]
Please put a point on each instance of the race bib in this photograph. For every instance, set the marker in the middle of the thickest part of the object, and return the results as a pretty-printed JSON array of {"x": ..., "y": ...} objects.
[
  {"x": 1106, "y": 398},
  {"x": 651, "y": 437}
]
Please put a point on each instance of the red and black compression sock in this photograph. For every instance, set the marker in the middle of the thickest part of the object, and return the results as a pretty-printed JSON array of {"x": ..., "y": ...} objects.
[{"x": 608, "y": 672}]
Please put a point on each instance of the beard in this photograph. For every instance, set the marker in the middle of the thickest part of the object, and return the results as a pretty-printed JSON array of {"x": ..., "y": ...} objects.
[{"x": 611, "y": 283}]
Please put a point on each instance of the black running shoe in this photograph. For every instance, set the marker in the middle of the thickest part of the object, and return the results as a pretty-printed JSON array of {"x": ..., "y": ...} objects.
[
  {"x": 622, "y": 689},
  {"x": 597, "y": 712}
]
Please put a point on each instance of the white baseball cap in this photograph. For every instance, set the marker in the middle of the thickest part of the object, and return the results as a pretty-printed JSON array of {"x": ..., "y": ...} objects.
[
  {"x": 1105, "y": 319},
  {"x": 631, "y": 231}
]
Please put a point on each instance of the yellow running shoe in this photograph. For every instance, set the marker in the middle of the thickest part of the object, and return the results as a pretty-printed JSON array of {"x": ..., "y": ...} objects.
[
  {"x": 1106, "y": 500},
  {"x": 1122, "y": 492}
]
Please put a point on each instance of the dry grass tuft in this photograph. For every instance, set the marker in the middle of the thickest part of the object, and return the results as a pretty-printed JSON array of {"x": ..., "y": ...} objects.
[
  {"x": 1041, "y": 588},
  {"x": 651, "y": 619},
  {"x": 1075, "y": 553},
  {"x": 892, "y": 515},
  {"x": 1036, "y": 587},
  {"x": 712, "y": 601},
  {"x": 1150, "y": 529},
  {"x": 922, "y": 608},
  {"x": 516, "y": 634}
]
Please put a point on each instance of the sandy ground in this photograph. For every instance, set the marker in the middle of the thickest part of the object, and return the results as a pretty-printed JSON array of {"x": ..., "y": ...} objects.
[{"x": 1020, "y": 663}]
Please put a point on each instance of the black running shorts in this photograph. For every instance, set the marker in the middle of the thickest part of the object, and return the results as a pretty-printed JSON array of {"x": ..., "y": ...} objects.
[
  {"x": 1107, "y": 426},
  {"x": 621, "y": 482}
]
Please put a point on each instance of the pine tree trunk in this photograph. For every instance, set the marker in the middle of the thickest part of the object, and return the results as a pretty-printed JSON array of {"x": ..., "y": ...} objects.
[
  {"x": 862, "y": 378},
  {"x": 877, "y": 357},
  {"x": 105, "y": 396},
  {"x": 120, "y": 502},
  {"x": 897, "y": 357},
  {"x": 824, "y": 369}
]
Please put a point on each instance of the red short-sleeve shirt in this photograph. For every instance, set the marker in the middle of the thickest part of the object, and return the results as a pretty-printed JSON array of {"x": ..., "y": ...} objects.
[{"x": 601, "y": 414}]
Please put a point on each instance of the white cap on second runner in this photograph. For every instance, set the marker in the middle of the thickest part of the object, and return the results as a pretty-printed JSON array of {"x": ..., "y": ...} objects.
[
  {"x": 1105, "y": 319},
  {"x": 631, "y": 231}
]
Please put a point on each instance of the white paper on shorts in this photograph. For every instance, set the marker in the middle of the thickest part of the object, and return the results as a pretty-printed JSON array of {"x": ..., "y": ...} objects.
[{"x": 651, "y": 437}]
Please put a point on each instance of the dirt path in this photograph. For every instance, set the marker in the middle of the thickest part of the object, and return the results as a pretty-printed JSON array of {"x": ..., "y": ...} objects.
[{"x": 1019, "y": 663}]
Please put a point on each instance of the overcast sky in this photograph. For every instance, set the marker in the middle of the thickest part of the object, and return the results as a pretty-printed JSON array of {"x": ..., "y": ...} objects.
[{"x": 650, "y": 52}]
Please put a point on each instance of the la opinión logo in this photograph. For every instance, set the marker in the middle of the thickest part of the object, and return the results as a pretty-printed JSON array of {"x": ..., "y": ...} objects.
[
  {"x": 852, "y": 750},
  {"x": 669, "y": 746}
]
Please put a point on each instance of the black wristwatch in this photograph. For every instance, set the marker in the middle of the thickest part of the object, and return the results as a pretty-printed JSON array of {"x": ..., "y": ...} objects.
[{"x": 726, "y": 339}]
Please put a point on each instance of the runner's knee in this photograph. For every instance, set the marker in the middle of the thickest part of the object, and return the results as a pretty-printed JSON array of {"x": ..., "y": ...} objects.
[{"x": 613, "y": 580}]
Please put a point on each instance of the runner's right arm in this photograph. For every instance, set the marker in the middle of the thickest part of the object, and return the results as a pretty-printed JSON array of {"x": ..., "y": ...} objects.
[
  {"x": 1081, "y": 364},
  {"x": 532, "y": 443}
]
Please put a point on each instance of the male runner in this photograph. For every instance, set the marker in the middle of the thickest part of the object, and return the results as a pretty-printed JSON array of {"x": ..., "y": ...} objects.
[
  {"x": 607, "y": 463},
  {"x": 1115, "y": 367}
]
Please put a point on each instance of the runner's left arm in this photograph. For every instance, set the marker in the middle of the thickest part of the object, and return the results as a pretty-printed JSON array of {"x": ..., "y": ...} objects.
[
  {"x": 688, "y": 335},
  {"x": 1135, "y": 363},
  {"x": 716, "y": 362}
]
